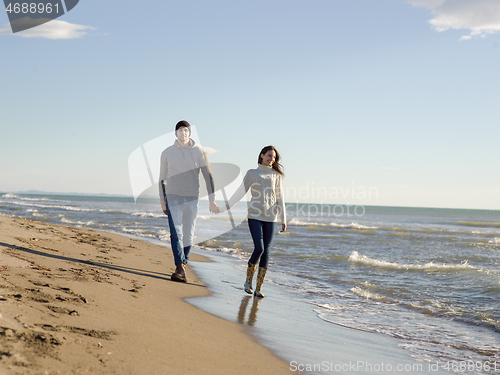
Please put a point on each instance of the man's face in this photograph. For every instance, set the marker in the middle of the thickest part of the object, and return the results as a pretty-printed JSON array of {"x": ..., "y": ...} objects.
[{"x": 182, "y": 134}]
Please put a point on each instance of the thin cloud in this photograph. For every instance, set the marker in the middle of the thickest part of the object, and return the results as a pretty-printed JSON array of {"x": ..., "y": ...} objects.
[
  {"x": 479, "y": 17},
  {"x": 51, "y": 30}
]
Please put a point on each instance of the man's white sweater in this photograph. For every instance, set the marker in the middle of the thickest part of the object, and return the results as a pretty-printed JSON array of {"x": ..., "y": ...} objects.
[{"x": 180, "y": 171}]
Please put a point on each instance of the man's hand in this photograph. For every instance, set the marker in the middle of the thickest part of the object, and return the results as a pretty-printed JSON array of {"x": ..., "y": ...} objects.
[
  {"x": 165, "y": 212},
  {"x": 283, "y": 228},
  {"x": 214, "y": 208}
]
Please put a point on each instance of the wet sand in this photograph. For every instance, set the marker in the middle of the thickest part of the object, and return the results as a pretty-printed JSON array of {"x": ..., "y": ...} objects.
[
  {"x": 289, "y": 326},
  {"x": 76, "y": 301}
]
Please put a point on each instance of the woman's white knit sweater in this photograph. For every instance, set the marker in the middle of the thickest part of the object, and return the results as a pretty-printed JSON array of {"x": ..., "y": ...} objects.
[{"x": 266, "y": 188}]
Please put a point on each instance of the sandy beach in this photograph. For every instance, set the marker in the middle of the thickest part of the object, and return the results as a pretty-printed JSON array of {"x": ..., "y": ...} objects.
[{"x": 76, "y": 301}]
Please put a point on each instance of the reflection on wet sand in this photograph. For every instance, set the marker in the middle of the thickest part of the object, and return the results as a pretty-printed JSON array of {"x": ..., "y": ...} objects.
[{"x": 252, "y": 317}]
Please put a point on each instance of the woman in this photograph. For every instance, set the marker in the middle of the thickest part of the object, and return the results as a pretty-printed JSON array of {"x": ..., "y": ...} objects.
[{"x": 265, "y": 184}]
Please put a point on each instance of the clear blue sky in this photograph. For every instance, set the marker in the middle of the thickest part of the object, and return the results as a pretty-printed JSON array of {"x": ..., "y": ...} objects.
[{"x": 395, "y": 100}]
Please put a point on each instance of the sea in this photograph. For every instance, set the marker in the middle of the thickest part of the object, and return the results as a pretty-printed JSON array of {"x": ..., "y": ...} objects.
[{"x": 427, "y": 280}]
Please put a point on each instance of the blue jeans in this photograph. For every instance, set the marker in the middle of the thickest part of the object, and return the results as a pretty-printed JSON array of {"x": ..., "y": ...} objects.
[
  {"x": 182, "y": 213},
  {"x": 262, "y": 234}
]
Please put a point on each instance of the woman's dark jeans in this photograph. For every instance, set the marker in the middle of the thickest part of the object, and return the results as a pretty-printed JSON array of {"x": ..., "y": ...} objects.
[{"x": 262, "y": 234}]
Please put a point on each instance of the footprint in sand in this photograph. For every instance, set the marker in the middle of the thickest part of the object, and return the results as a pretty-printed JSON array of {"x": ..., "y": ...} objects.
[{"x": 63, "y": 310}]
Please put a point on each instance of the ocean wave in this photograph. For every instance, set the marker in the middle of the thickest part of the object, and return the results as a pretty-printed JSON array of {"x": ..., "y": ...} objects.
[
  {"x": 479, "y": 224},
  {"x": 300, "y": 223},
  {"x": 67, "y": 208},
  {"x": 164, "y": 235},
  {"x": 434, "y": 231},
  {"x": 70, "y": 222},
  {"x": 352, "y": 225},
  {"x": 435, "y": 307},
  {"x": 228, "y": 250},
  {"x": 364, "y": 231},
  {"x": 211, "y": 244},
  {"x": 141, "y": 233},
  {"x": 478, "y": 244},
  {"x": 395, "y": 229},
  {"x": 416, "y": 337},
  {"x": 368, "y": 295},
  {"x": 11, "y": 208},
  {"x": 403, "y": 234},
  {"x": 329, "y": 306},
  {"x": 147, "y": 214},
  {"x": 346, "y": 322},
  {"x": 355, "y": 257},
  {"x": 495, "y": 241},
  {"x": 118, "y": 212},
  {"x": 217, "y": 246},
  {"x": 10, "y": 196},
  {"x": 14, "y": 196}
]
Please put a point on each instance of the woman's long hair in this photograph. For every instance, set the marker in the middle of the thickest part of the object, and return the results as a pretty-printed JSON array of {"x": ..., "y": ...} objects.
[{"x": 276, "y": 165}]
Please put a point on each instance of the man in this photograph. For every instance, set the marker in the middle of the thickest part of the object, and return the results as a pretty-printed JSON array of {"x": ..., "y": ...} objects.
[{"x": 180, "y": 166}]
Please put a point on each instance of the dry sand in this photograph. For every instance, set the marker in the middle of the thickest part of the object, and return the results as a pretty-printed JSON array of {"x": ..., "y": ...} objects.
[{"x": 76, "y": 301}]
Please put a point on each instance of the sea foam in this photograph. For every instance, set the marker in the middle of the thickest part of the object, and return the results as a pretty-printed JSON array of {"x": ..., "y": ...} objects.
[
  {"x": 368, "y": 295},
  {"x": 10, "y": 196},
  {"x": 352, "y": 225},
  {"x": 355, "y": 257}
]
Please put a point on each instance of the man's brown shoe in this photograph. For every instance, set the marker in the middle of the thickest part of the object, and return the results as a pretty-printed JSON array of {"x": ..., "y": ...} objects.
[{"x": 179, "y": 274}]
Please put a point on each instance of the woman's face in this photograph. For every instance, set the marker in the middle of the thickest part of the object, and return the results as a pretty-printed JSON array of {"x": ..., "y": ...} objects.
[{"x": 268, "y": 158}]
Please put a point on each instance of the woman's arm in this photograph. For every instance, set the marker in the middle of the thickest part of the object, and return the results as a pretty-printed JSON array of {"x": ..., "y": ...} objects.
[
  {"x": 281, "y": 202},
  {"x": 240, "y": 193}
]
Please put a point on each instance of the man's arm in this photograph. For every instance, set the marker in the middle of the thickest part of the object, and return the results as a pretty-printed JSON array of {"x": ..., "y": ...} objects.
[
  {"x": 209, "y": 181},
  {"x": 162, "y": 182}
]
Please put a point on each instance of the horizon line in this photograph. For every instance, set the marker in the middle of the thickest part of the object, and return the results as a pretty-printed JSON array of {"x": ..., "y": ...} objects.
[{"x": 40, "y": 192}]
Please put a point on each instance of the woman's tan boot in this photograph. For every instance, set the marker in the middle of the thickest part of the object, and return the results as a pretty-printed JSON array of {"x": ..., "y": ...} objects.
[
  {"x": 260, "y": 280},
  {"x": 248, "y": 283}
]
